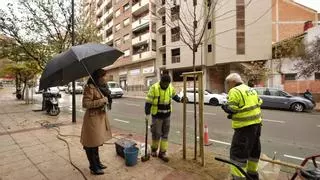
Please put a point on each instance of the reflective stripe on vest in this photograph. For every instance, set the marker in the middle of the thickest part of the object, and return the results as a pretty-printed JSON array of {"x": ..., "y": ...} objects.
[
  {"x": 249, "y": 118},
  {"x": 160, "y": 99}
]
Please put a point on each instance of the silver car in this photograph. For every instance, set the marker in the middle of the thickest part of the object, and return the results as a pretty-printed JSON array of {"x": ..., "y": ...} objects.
[{"x": 275, "y": 98}]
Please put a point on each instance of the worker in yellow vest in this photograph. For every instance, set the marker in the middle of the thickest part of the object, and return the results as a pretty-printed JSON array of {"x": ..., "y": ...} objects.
[
  {"x": 243, "y": 108},
  {"x": 158, "y": 104}
]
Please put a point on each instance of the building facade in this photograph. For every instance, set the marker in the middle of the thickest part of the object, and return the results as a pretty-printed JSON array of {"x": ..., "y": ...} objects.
[
  {"x": 238, "y": 31},
  {"x": 289, "y": 19}
]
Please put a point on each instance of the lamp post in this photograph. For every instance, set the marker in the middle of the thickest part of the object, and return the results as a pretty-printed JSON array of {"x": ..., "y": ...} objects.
[{"x": 73, "y": 82}]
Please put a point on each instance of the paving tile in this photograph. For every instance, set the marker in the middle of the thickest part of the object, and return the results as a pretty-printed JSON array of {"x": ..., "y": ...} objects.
[
  {"x": 11, "y": 159},
  {"x": 12, "y": 167},
  {"x": 43, "y": 157},
  {"x": 8, "y": 148},
  {"x": 24, "y": 173}
]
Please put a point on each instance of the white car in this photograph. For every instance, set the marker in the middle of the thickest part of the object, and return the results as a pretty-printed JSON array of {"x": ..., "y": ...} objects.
[
  {"x": 115, "y": 89},
  {"x": 209, "y": 98},
  {"x": 78, "y": 88}
]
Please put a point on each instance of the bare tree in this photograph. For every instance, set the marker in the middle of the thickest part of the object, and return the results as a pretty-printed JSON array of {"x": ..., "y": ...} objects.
[
  {"x": 42, "y": 28},
  {"x": 190, "y": 26},
  {"x": 309, "y": 61}
]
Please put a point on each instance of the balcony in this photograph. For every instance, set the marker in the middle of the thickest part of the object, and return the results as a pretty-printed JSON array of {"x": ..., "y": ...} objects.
[
  {"x": 141, "y": 23},
  {"x": 108, "y": 26},
  {"x": 162, "y": 48},
  {"x": 143, "y": 39},
  {"x": 162, "y": 10},
  {"x": 140, "y": 7},
  {"x": 162, "y": 29},
  {"x": 99, "y": 22},
  {"x": 107, "y": 14},
  {"x": 108, "y": 39},
  {"x": 144, "y": 56}
]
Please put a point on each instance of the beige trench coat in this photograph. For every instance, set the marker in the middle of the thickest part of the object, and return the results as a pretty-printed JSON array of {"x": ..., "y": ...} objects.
[{"x": 95, "y": 128}]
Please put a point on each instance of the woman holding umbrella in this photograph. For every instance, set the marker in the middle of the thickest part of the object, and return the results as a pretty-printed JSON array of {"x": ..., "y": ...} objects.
[{"x": 96, "y": 128}]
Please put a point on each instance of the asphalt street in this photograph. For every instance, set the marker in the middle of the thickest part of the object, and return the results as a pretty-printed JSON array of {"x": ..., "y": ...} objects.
[{"x": 292, "y": 136}]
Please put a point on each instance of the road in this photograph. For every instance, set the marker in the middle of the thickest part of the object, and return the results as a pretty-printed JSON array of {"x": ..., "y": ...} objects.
[{"x": 292, "y": 135}]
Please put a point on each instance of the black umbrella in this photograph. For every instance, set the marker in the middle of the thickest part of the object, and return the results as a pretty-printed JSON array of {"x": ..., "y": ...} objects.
[{"x": 76, "y": 63}]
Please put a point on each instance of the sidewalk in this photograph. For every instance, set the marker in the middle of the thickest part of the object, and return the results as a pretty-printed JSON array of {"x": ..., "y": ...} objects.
[{"x": 28, "y": 150}]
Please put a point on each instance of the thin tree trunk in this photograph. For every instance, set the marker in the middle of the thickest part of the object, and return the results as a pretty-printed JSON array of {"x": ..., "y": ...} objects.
[
  {"x": 195, "y": 105},
  {"x": 23, "y": 90}
]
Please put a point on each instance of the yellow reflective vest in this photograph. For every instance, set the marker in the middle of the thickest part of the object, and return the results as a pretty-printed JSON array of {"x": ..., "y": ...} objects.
[
  {"x": 245, "y": 103},
  {"x": 160, "y": 99}
]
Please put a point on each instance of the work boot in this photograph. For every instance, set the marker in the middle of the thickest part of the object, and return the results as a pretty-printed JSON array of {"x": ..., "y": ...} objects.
[
  {"x": 154, "y": 153},
  {"x": 94, "y": 168},
  {"x": 254, "y": 176},
  {"x": 100, "y": 165},
  {"x": 163, "y": 156}
]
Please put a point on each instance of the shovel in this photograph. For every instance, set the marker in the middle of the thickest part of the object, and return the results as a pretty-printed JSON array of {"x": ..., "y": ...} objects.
[{"x": 146, "y": 156}]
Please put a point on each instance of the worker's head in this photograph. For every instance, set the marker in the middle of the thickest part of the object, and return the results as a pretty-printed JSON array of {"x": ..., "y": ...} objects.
[
  {"x": 165, "y": 81},
  {"x": 233, "y": 80}
]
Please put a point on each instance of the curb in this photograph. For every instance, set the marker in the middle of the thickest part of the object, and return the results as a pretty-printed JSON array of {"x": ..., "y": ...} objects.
[{"x": 133, "y": 97}]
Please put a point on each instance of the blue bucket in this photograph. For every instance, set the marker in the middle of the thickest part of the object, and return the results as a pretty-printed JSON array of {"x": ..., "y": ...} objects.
[{"x": 131, "y": 155}]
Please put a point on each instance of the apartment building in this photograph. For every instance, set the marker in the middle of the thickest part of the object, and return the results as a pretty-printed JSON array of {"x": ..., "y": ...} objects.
[
  {"x": 239, "y": 31},
  {"x": 129, "y": 25},
  {"x": 290, "y": 18}
]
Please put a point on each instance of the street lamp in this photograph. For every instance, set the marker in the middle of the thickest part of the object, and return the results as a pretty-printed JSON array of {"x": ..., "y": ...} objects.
[{"x": 73, "y": 82}]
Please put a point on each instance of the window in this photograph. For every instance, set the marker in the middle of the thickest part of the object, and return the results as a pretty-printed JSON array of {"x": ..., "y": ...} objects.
[
  {"x": 117, "y": 42},
  {"x": 126, "y": 53},
  {"x": 118, "y": 12},
  {"x": 317, "y": 76},
  {"x": 209, "y": 25},
  {"x": 175, "y": 13},
  {"x": 208, "y": 3},
  {"x": 154, "y": 27},
  {"x": 126, "y": 7},
  {"x": 126, "y": 22},
  {"x": 175, "y": 34},
  {"x": 163, "y": 39},
  {"x": 118, "y": 27},
  {"x": 126, "y": 37},
  {"x": 154, "y": 45},
  {"x": 164, "y": 59},
  {"x": 209, "y": 48},
  {"x": 291, "y": 76},
  {"x": 175, "y": 53},
  {"x": 163, "y": 20},
  {"x": 240, "y": 26}
]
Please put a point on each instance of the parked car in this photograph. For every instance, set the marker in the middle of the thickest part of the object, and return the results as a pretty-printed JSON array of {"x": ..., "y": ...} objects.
[
  {"x": 1, "y": 85},
  {"x": 115, "y": 89},
  {"x": 275, "y": 98},
  {"x": 78, "y": 88},
  {"x": 209, "y": 98},
  {"x": 51, "y": 89},
  {"x": 63, "y": 88}
]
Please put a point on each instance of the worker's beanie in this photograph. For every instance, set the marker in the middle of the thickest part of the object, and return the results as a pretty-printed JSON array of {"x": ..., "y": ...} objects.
[{"x": 165, "y": 78}]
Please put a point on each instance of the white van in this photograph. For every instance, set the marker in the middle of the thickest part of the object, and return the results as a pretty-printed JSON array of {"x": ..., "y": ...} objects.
[{"x": 115, "y": 89}]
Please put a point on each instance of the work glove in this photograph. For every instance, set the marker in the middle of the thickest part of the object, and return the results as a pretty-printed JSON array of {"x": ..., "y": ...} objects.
[
  {"x": 229, "y": 116},
  {"x": 225, "y": 108}
]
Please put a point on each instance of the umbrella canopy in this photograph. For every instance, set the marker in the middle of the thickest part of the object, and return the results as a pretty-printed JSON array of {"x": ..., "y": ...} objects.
[{"x": 76, "y": 62}]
